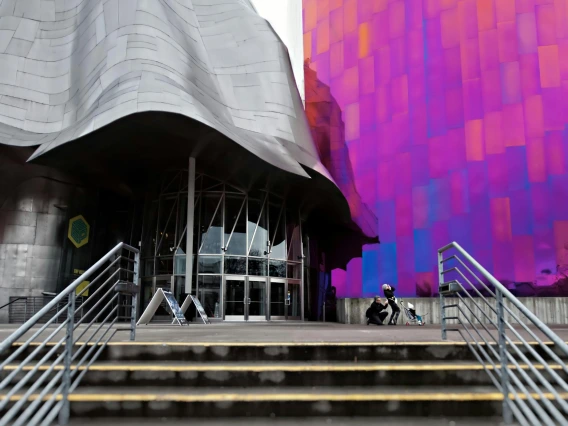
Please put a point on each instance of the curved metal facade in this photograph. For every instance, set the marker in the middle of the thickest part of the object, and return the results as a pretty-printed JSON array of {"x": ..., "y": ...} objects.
[{"x": 70, "y": 68}]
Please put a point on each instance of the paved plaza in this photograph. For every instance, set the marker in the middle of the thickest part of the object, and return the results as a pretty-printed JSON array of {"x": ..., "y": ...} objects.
[{"x": 291, "y": 333}]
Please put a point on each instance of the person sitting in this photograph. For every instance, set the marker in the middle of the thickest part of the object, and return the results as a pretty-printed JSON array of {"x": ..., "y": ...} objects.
[
  {"x": 389, "y": 294},
  {"x": 376, "y": 313}
]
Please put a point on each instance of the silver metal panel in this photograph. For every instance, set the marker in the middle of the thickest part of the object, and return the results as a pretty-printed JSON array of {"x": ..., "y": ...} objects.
[
  {"x": 216, "y": 62},
  {"x": 31, "y": 231}
]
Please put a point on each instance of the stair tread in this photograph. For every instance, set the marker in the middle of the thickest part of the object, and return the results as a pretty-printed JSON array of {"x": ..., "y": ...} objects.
[
  {"x": 337, "y": 421},
  {"x": 300, "y": 366},
  {"x": 344, "y": 393}
]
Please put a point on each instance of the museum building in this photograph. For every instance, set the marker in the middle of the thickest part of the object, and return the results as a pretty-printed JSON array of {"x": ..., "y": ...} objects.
[{"x": 178, "y": 130}]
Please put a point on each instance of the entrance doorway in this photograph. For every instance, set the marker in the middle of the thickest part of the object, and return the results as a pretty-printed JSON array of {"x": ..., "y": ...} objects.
[
  {"x": 285, "y": 300},
  {"x": 246, "y": 299}
]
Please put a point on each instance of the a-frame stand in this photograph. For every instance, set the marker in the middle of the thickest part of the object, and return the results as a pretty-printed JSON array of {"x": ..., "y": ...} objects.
[{"x": 154, "y": 304}]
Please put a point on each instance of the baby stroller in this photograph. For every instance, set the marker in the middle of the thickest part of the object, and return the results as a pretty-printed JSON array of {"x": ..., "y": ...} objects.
[{"x": 411, "y": 315}]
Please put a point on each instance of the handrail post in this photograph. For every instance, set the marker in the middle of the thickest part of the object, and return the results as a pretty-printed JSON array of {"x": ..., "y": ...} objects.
[
  {"x": 507, "y": 413},
  {"x": 66, "y": 408},
  {"x": 134, "y": 300},
  {"x": 440, "y": 281}
]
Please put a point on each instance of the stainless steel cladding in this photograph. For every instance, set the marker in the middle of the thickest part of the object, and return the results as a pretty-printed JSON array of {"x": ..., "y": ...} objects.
[
  {"x": 30, "y": 231},
  {"x": 68, "y": 69}
]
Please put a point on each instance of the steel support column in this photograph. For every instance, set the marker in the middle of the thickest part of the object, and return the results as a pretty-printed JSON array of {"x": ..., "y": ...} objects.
[{"x": 189, "y": 232}]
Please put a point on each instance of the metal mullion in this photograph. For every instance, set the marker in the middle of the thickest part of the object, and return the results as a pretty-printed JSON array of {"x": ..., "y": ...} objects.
[
  {"x": 164, "y": 189},
  {"x": 276, "y": 230},
  {"x": 258, "y": 222},
  {"x": 223, "y": 217},
  {"x": 178, "y": 204},
  {"x": 157, "y": 231},
  {"x": 235, "y": 225},
  {"x": 165, "y": 226},
  {"x": 212, "y": 219},
  {"x": 302, "y": 266}
]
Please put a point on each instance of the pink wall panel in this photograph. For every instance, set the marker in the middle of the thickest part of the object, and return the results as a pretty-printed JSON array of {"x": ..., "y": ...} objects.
[{"x": 453, "y": 117}]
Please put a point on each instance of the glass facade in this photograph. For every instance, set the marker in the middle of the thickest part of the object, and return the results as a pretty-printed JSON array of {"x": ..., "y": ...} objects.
[{"x": 247, "y": 248}]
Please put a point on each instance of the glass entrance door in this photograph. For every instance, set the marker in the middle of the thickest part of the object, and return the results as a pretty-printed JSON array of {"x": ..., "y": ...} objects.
[
  {"x": 235, "y": 298},
  {"x": 246, "y": 299},
  {"x": 294, "y": 300},
  {"x": 257, "y": 298},
  {"x": 277, "y": 299}
]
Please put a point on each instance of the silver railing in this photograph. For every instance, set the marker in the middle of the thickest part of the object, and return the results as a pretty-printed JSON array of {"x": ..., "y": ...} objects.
[
  {"x": 43, "y": 364},
  {"x": 21, "y": 309},
  {"x": 493, "y": 321}
]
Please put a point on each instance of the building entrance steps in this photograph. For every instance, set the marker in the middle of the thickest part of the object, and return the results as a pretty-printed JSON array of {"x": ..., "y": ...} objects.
[{"x": 317, "y": 372}]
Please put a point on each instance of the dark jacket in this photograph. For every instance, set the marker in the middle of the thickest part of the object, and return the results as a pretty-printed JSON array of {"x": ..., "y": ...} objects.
[
  {"x": 389, "y": 294},
  {"x": 374, "y": 309}
]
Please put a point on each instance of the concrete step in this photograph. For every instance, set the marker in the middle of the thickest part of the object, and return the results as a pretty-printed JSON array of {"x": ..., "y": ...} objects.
[
  {"x": 273, "y": 421},
  {"x": 189, "y": 402},
  {"x": 291, "y": 374},
  {"x": 269, "y": 352}
]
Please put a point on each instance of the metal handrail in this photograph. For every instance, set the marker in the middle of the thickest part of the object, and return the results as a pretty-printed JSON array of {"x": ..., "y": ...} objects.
[
  {"x": 35, "y": 389},
  {"x": 529, "y": 396},
  {"x": 13, "y": 301}
]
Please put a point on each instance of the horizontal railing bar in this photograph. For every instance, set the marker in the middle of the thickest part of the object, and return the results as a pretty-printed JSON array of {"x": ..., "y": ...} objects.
[
  {"x": 31, "y": 339},
  {"x": 447, "y": 271},
  {"x": 96, "y": 346},
  {"x": 444, "y": 260},
  {"x": 487, "y": 344},
  {"x": 32, "y": 389},
  {"x": 478, "y": 356},
  {"x": 533, "y": 335},
  {"x": 476, "y": 277},
  {"x": 496, "y": 340},
  {"x": 101, "y": 274},
  {"x": 41, "y": 413},
  {"x": 541, "y": 360},
  {"x": 498, "y": 371},
  {"x": 506, "y": 293},
  {"x": 31, "y": 356},
  {"x": 477, "y": 306},
  {"x": 32, "y": 407},
  {"x": 476, "y": 290},
  {"x": 101, "y": 300},
  {"x": 101, "y": 287},
  {"x": 7, "y": 343},
  {"x": 76, "y": 354},
  {"x": 453, "y": 305},
  {"x": 556, "y": 414},
  {"x": 30, "y": 374}
]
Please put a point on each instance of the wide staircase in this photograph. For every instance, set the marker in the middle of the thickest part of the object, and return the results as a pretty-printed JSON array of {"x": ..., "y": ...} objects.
[
  {"x": 269, "y": 380},
  {"x": 81, "y": 368}
]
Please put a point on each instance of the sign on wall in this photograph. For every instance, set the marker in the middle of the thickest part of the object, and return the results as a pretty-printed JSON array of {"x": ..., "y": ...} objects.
[{"x": 78, "y": 231}]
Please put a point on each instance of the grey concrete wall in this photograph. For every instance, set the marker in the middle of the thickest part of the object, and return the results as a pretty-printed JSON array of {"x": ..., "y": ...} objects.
[{"x": 551, "y": 310}]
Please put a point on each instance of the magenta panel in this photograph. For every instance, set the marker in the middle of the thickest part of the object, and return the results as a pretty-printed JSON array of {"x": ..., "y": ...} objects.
[{"x": 448, "y": 118}]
